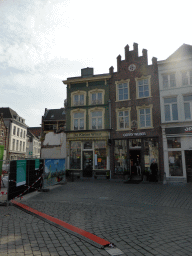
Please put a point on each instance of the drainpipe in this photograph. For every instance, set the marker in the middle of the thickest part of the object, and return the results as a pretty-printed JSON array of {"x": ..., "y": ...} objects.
[{"x": 110, "y": 130}]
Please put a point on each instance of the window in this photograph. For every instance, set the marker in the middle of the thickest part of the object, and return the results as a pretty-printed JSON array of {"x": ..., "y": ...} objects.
[
  {"x": 2, "y": 133},
  {"x": 174, "y": 142},
  {"x": 144, "y": 116},
  {"x": 96, "y": 120},
  {"x": 187, "y": 106},
  {"x": 23, "y": 146},
  {"x": 13, "y": 144},
  {"x": 175, "y": 163},
  {"x": 14, "y": 130},
  {"x": 75, "y": 155},
  {"x": 120, "y": 156},
  {"x": 186, "y": 77},
  {"x": 143, "y": 86},
  {"x": 96, "y": 98},
  {"x": 21, "y": 133},
  {"x": 122, "y": 90},
  {"x": 169, "y": 81},
  {"x": 100, "y": 155},
  {"x": 78, "y": 121},
  {"x": 78, "y": 100},
  {"x": 20, "y": 145},
  {"x": 24, "y": 134},
  {"x": 170, "y": 108},
  {"x": 17, "y": 131},
  {"x": 123, "y": 118},
  {"x": 17, "y": 145}
]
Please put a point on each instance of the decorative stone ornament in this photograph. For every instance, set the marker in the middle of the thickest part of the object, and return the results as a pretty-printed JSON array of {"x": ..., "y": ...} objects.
[{"x": 132, "y": 67}]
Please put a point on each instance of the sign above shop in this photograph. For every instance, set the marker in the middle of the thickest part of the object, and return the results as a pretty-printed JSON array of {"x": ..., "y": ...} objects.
[
  {"x": 175, "y": 130},
  {"x": 88, "y": 135},
  {"x": 134, "y": 134}
]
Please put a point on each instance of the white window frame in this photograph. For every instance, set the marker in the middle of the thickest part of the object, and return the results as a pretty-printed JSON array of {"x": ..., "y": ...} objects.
[
  {"x": 14, "y": 130},
  {"x": 17, "y": 145},
  {"x": 78, "y": 94},
  {"x": 188, "y": 77},
  {"x": 90, "y": 117},
  {"x": 137, "y": 86},
  {"x": 76, "y": 111},
  {"x": 13, "y": 144},
  {"x": 23, "y": 146},
  {"x": 150, "y": 107},
  {"x": 122, "y": 82},
  {"x": 96, "y": 91},
  {"x": 190, "y": 106},
  {"x": 118, "y": 110},
  {"x": 169, "y": 83},
  {"x": 171, "y": 109}
]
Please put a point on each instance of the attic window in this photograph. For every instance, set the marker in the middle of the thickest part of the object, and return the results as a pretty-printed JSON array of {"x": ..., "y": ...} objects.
[{"x": 63, "y": 113}]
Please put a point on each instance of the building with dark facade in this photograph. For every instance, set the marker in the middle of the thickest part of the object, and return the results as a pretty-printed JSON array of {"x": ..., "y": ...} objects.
[
  {"x": 87, "y": 127},
  {"x": 136, "y": 138}
]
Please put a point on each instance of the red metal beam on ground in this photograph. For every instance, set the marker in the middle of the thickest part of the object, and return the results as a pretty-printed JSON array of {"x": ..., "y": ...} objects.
[{"x": 70, "y": 227}]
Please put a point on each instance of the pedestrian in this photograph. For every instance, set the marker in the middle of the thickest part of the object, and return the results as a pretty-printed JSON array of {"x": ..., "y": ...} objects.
[{"x": 154, "y": 170}]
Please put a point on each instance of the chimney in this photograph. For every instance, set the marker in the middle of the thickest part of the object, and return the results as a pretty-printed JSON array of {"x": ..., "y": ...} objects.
[
  {"x": 111, "y": 69},
  {"x": 145, "y": 56},
  {"x": 86, "y": 72},
  {"x": 127, "y": 52},
  {"x": 118, "y": 62},
  {"x": 135, "y": 47},
  {"x": 154, "y": 61}
]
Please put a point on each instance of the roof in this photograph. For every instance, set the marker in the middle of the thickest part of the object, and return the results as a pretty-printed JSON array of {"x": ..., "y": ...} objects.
[
  {"x": 183, "y": 51},
  {"x": 55, "y": 114},
  {"x": 8, "y": 112},
  {"x": 35, "y": 131}
]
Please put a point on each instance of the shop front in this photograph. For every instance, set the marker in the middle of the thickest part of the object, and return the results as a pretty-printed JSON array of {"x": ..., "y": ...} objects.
[
  {"x": 177, "y": 143},
  {"x": 88, "y": 153},
  {"x": 134, "y": 154}
]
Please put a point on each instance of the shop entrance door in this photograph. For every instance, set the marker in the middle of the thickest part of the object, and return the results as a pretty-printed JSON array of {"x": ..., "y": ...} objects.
[
  {"x": 135, "y": 163},
  {"x": 188, "y": 162},
  {"x": 87, "y": 163}
]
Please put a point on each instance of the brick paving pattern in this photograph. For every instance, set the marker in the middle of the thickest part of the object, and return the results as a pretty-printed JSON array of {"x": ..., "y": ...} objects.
[{"x": 140, "y": 219}]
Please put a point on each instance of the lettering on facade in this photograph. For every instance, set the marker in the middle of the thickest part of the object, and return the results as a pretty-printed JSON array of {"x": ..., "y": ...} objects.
[
  {"x": 188, "y": 129},
  {"x": 134, "y": 134},
  {"x": 87, "y": 135}
]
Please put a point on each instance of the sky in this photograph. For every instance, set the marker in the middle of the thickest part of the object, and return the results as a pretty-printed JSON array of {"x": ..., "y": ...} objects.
[{"x": 43, "y": 42}]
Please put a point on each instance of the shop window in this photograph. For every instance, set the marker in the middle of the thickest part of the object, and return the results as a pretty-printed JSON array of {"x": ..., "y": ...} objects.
[
  {"x": 170, "y": 108},
  {"x": 87, "y": 145},
  {"x": 75, "y": 155},
  {"x": 122, "y": 90},
  {"x": 175, "y": 163},
  {"x": 135, "y": 143},
  {"x": 100, "y": 155},
  {"x": 188, "y": 106},
  {"x": 120, "y": 155},
  {"x": 151, "y": 152},
  {"x": 174, "y": 143}
]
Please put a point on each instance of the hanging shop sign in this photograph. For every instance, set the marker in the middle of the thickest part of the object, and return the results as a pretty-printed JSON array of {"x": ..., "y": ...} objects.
[{"x": 134, "y": 134}]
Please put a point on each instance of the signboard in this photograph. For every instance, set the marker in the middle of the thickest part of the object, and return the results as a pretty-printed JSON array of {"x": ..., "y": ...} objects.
[
  {"x": 176, "y": 130},
  {"x": 1, "y": 158},
  {"x": 134, "y": 134},
  {"x": 21, "y": 173}
]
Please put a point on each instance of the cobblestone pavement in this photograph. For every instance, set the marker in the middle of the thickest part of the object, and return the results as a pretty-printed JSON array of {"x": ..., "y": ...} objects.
[{"x": 140, "y": 219}]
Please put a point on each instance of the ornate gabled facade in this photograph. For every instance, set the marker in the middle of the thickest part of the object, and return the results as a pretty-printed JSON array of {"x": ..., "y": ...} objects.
[{"x": 135, "y": 116}]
